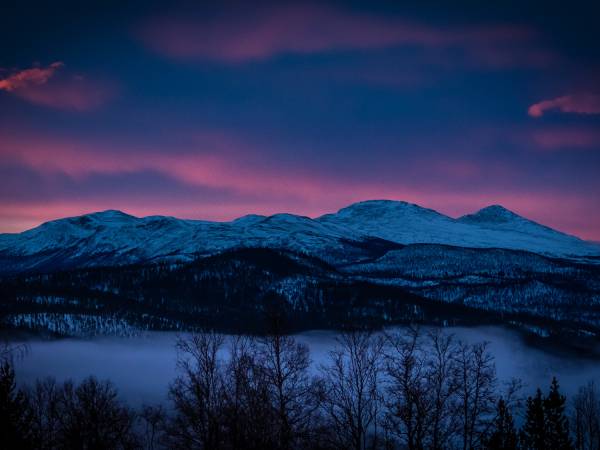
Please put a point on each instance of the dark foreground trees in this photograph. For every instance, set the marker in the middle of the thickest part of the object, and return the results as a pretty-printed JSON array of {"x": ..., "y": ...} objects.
[
  {"x": 198, "y": 394},
  {"x": 62, "y": 416},
  {"x": 546, "y": 424},
  {"x": 352, "y": 402},
  {"x": 260, "y": 396},
  {"x": 408, "y": 390},
  {"x": 14, "y": 415},
  {"x": 83, "y": 416},
  {"x": 439, "y": 392},
  {"x": 586, "y": 418},
  {"x": 503, "y": 435},
  {"x": 52, "y": 416}
]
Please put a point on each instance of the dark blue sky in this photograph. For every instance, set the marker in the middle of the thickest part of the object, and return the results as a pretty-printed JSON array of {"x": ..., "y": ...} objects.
[{"x": 215, "y": 111}]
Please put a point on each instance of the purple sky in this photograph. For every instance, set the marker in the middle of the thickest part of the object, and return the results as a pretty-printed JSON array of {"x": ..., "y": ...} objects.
[{"x": 216, "y": 111}]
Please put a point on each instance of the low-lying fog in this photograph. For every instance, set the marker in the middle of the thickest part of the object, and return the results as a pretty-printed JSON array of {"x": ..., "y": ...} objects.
[{"x": 142, "y": 367}]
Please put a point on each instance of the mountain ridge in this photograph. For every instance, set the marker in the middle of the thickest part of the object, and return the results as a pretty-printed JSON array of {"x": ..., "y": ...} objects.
[
  {"x": 115, "y": 237},
  {"x": 113, "y": 213}
]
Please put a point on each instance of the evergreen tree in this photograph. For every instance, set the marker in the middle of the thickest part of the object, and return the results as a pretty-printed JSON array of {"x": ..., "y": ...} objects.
[
  {"x": 503, "y": 436},
  {"x": 557, "y": 424},
  {"x": 14, "y": 415},
  {"x": 533, "y": 433}
]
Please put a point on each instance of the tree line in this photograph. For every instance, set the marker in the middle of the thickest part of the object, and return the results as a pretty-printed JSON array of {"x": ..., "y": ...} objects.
[
  {"x": 409, "y": 389},
  {"x": 228, "y": 292}
]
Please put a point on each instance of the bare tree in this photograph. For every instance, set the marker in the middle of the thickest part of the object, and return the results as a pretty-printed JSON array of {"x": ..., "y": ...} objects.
[
  {"x": 44, "y": 403},
  {"x": 352, "y": 400},
  {"x": 285, "y": 365},
  {"x": 153, "y": 424},
  {"x": 197, "y": 394},
  {"x": 260, "y": 396},
  {"x": 249, "y": 415},
  {"x": 407, "y": 403},
  {"x": 476, "y": 393},
  {"x": 586, "y": 418},
  {"x": 10, "y": 351},
  {"x": 91, "y": 416},
  {"x": 442, "y": 388},
  {"x": 422, "y": 388}
]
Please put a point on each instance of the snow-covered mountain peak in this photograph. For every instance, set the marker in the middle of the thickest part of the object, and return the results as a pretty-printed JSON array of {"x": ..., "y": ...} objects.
[
  {"x": 491, "y": 227},
  {"x": 109, "y": 213},
  {"x": 376, "y": 209},
  {"x": 493, "y": 213},
  {"x": 287, "y": 218},
  {"x": 248, "y": 219},
  {"x": 497, "y": 217},
  {"x": 396, "y": 221},
  {"x": 109, "y": 217}
]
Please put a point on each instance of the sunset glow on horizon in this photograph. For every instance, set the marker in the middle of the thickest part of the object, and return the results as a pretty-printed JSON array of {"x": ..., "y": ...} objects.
[{"x": 217, "y": 111}]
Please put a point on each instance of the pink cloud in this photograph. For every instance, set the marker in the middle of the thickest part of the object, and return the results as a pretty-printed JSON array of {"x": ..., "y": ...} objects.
[
  {"x": 567, "y": 138},
  {"x": 214, "y": 160},
  {"x": 297, "y": 29},
  {"x": 585, "y": 103},
  {"x": 29, "y": 77},
  {"x": 44, "y": 86},
  {"x": 218, "y": 160},
  {"x": 301, "y": 29}
]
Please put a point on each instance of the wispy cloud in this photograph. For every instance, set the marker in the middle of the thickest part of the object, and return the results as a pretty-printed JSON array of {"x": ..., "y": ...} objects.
[
  {"x": 102, "y": 175},
  {"x": 45, "y": 86},
  {"x": 304, "y": 29},
  {"x": 565, "y": 138},
  {"x": 24, "y": 79},
  {"x": 585, "y": 103}
]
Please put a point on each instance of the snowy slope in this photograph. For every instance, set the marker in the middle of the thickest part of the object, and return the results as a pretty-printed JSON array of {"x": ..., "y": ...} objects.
[
  {"x": 116, "y": 238},
  {"x": 491, "y": 227}
]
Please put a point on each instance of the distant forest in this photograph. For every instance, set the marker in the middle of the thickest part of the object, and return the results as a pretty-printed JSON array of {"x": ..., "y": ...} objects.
[
  {"x": 231, "y": 292},
  {"x": 401, "y": 390}
]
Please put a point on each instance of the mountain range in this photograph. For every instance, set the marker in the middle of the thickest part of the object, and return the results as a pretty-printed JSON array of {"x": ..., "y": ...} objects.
[
  {"x": 114, "y": 238},
  {"x": 380, "y": 262}
]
